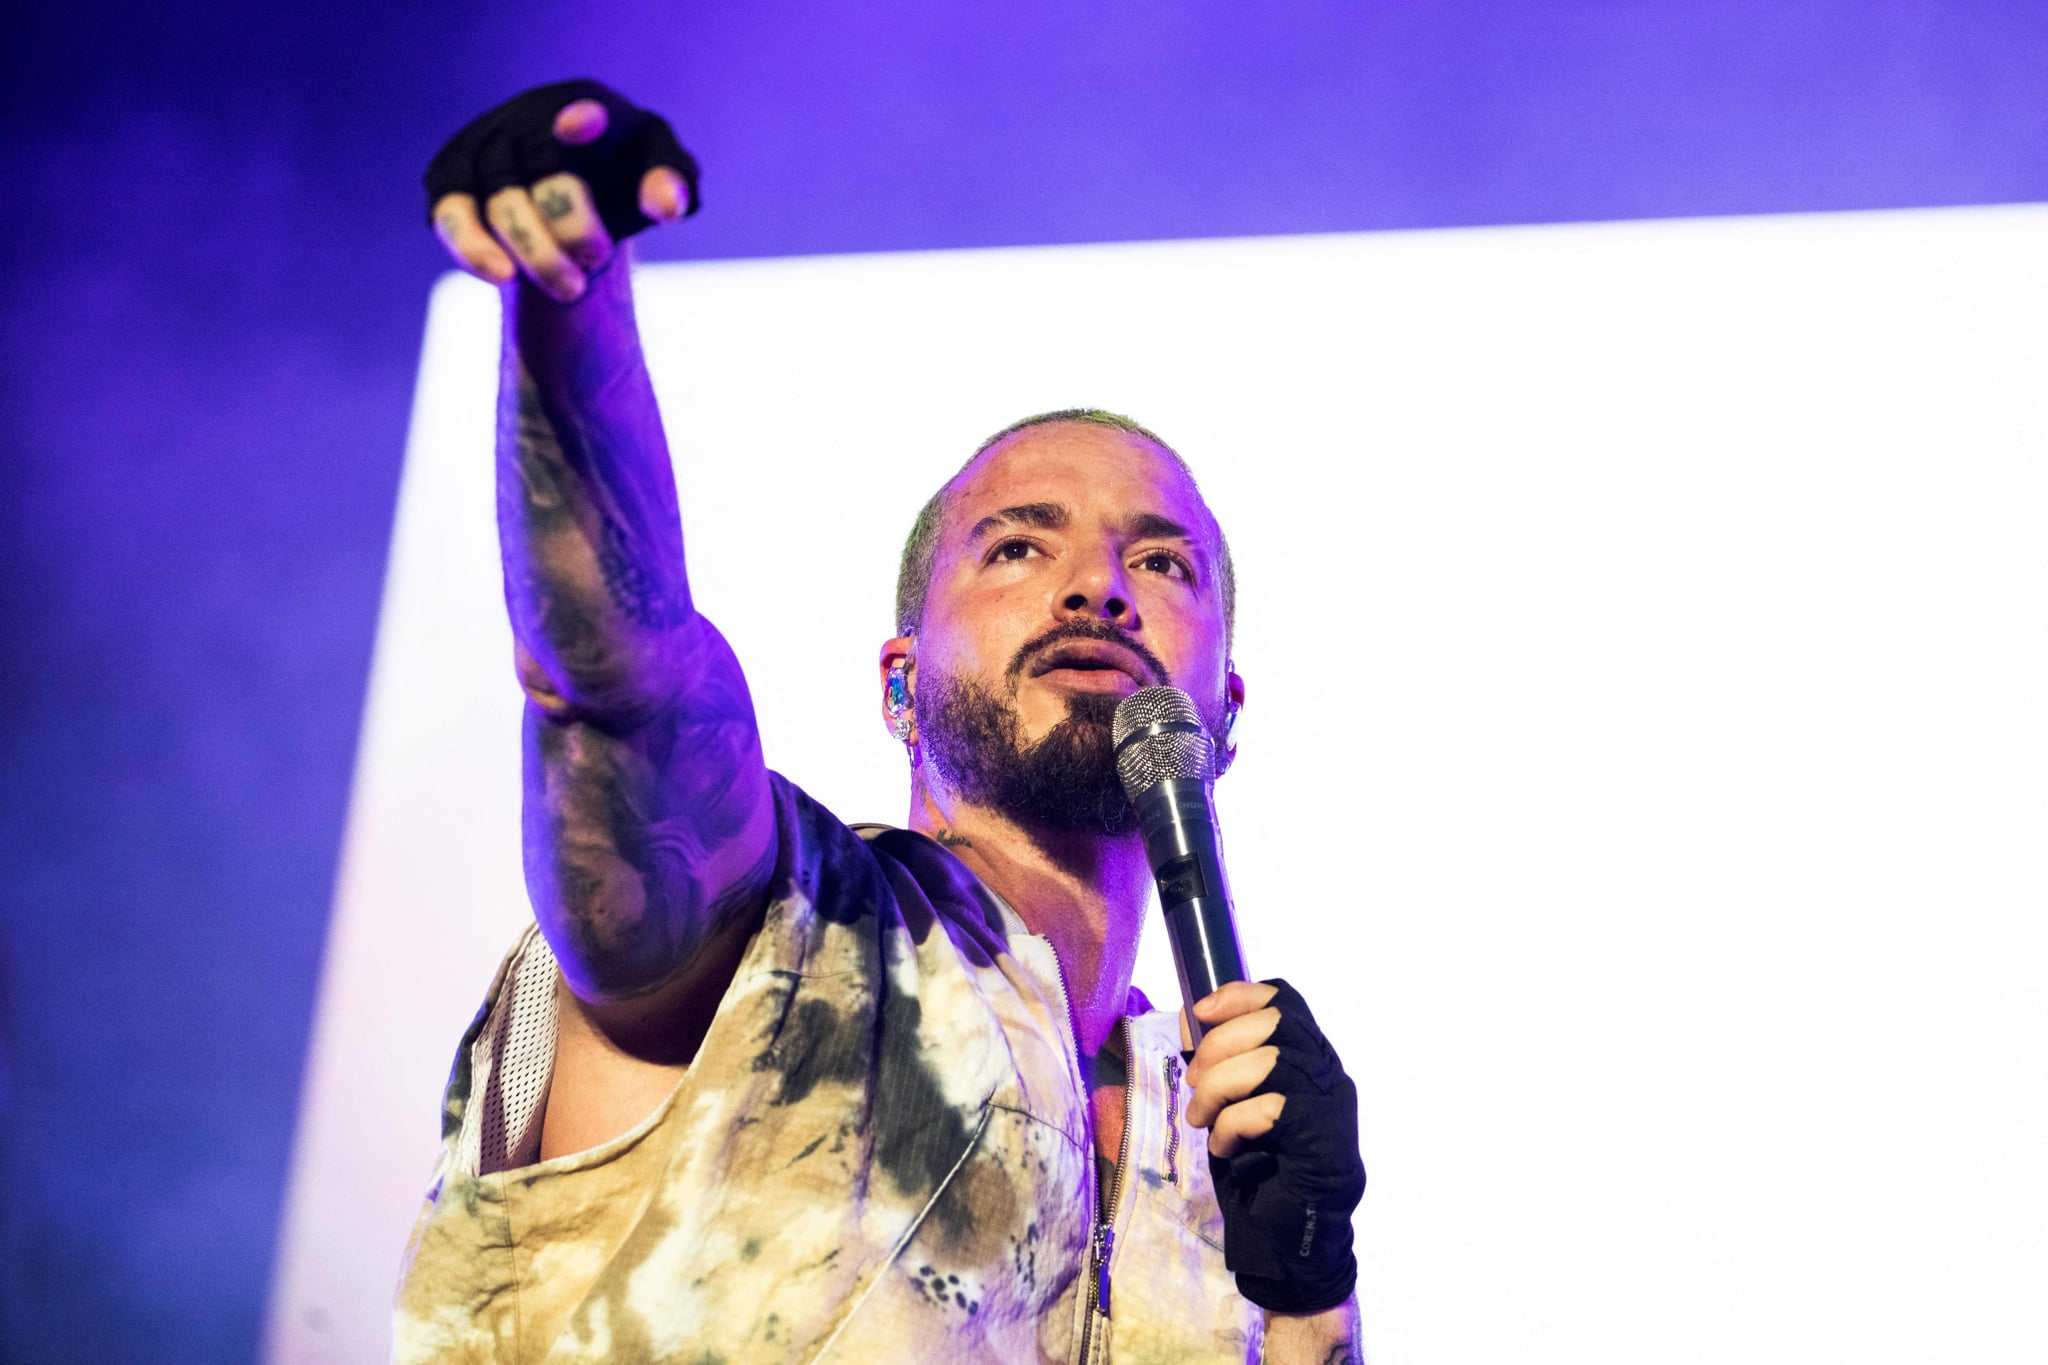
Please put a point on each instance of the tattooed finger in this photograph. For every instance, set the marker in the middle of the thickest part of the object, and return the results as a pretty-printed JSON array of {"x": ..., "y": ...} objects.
[
  {"x": 565, "y": 206},
  {"x": 521, "y": 230}
]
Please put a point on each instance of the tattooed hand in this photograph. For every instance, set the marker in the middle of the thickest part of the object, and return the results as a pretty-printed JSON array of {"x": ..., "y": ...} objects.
[{"x": 562, "y": 172}]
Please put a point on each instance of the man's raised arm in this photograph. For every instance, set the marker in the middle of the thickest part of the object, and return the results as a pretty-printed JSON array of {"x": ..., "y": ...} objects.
[{"x": 649, "y": 825}]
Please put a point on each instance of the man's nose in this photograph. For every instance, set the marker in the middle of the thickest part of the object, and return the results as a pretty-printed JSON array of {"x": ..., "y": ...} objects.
[{"x": 1098, "y": 588}]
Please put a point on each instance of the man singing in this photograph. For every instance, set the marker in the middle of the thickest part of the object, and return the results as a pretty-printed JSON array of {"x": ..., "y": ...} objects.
[{"x": 761, "y": 1087}]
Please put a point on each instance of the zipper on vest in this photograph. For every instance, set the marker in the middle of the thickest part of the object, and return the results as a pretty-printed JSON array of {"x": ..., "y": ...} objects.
[
  {"x": 1103, "y": 1245},
  {"x": 1172, "y": 1117},
  {"x": 1103, "y": 1242},
  {"x": 1059, "y": 978}
]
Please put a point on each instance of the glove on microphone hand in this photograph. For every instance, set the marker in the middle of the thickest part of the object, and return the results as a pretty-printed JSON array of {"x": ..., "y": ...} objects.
[{"x": 1288, "y": 1192}]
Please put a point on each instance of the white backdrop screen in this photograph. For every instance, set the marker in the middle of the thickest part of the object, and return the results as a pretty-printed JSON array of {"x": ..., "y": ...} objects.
[{"x": 1645, "y": 769}]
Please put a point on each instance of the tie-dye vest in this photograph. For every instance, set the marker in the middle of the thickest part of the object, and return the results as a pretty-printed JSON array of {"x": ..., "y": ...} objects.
[{"x": 881, "y": 1153}]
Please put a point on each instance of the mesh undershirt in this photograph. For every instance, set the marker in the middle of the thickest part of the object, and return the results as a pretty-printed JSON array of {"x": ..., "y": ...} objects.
[{"x": 510, "y": 1063}]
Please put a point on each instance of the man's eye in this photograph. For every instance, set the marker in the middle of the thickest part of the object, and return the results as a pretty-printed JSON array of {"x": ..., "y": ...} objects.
[
  {"x": 1159, "y": 561},
  {"x": 1012, "y": 549}
]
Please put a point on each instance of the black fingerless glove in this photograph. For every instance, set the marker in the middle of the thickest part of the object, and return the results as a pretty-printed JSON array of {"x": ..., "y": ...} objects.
[
  {"x": 515, "y": 144},
  {"x": 1287, "y": 1197}
]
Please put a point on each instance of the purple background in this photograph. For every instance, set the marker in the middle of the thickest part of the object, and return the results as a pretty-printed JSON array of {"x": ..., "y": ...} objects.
[{"x": 211, "y": 296}]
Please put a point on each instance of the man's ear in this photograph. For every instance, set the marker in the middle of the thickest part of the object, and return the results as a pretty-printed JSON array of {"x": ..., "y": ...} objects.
[
  {"x": 1233, "y": 702},
  {"x": 898, "y": 664}
]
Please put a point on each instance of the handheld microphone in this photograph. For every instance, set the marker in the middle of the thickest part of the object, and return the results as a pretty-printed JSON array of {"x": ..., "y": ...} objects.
[{"x": 1167, "y": 764}]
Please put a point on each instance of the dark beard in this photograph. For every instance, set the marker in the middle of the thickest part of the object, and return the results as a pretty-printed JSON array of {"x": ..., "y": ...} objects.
[{"x": 1066, "y": 781}]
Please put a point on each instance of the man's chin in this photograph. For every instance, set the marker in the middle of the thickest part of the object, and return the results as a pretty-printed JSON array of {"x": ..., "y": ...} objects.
[
  {"x": 1085, "y": 722},
  {"x": 1094, "y": 709},
  {"x": 1069, "y": 779}
]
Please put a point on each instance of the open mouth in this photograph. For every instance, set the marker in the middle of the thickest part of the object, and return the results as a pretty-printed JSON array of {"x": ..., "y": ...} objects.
[{"x": 1109, "y": 664}]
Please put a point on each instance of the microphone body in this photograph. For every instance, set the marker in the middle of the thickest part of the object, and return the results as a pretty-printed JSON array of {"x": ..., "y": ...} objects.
[{"x": 1167, "y": 764}]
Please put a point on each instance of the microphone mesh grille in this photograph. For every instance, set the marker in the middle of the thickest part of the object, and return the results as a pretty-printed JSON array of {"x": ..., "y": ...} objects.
[
  {"x": 1150, "y": 706},
  {"x": 1144, "y": 759}
]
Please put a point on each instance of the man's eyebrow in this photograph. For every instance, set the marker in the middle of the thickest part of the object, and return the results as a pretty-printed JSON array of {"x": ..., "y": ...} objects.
[
  {"x": 1153, "y": 526},
  {"x": 1046, "y": 516}
]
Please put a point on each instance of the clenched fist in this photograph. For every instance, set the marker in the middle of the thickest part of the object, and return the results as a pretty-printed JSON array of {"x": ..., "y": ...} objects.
[{"x": 548, "y": 182}]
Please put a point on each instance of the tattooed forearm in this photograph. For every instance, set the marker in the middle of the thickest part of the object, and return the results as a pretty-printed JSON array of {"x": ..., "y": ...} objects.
[
  {"x": 592, "y": 542},
  {"x": 634, "y": 588}
]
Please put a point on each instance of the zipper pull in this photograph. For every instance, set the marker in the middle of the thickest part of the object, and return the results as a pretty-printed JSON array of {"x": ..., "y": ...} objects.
[{"x": 1105, "y": 1242}]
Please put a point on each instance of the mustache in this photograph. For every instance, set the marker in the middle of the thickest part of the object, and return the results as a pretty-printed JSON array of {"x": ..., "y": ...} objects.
[{"x": 1082, "y": 628}]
